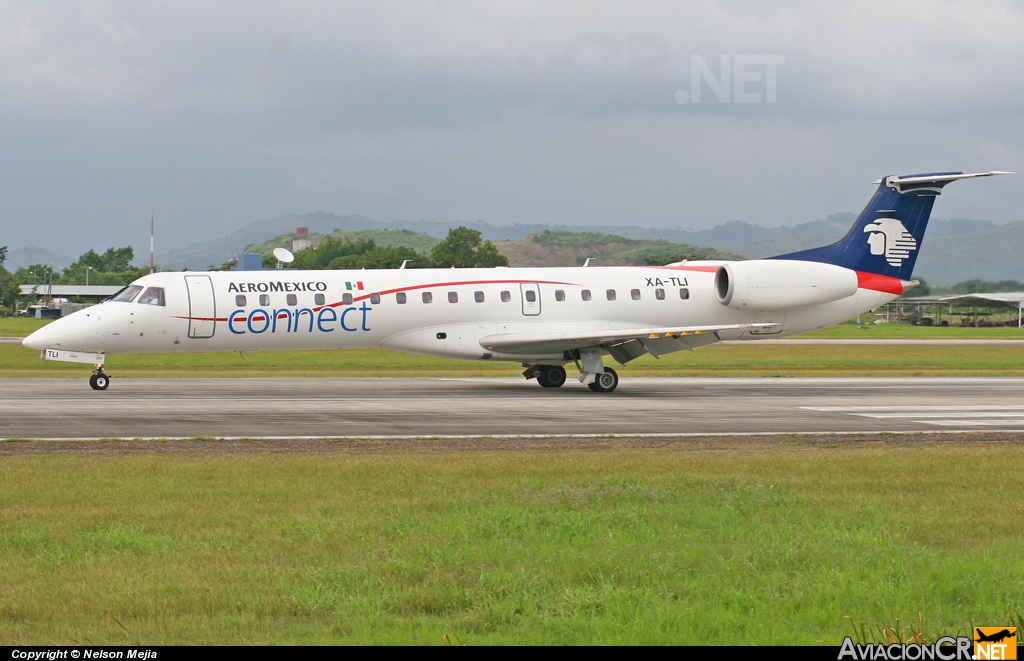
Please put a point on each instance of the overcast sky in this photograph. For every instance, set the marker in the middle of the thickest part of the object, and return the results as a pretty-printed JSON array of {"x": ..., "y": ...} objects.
[{"x": 219, "y": 113}]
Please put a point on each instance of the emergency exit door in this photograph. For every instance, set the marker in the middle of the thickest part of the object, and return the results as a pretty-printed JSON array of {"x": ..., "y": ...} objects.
[
  {"x": 531, "y": 298},
  {"x": 202, "y": 308}
]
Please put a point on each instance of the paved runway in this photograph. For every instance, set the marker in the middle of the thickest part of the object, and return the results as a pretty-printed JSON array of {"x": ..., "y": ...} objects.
[{"x": 268, "y": 408}]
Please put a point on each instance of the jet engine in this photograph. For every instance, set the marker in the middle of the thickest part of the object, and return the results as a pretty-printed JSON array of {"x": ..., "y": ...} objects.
[{"x": 778, "y": 284}]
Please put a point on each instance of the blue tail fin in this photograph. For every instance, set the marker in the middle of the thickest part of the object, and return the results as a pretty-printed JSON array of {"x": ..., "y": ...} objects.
[{"x": 887, "y": 236}]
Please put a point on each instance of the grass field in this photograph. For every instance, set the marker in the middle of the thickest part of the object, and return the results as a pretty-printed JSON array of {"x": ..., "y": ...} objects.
[
  {"x": 752, "y": 544},
  {"x": 850, "y": 331},
  {"x": 751, "y": 360},
  {"x": 20, "y": 326},
  {"x": 729, "y": 360}
]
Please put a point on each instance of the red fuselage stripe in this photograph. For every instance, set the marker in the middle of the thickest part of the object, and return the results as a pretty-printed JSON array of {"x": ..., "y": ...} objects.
[
  {"x": 683, "y": 267},
  {"x": 401, "y": 289}
]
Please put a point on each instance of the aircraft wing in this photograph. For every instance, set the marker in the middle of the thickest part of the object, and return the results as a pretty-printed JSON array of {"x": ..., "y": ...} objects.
[{"x": 623, "y": 345}]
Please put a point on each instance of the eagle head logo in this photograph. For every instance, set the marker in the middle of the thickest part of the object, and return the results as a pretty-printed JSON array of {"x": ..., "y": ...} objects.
[{"x": 888, "y": 236}]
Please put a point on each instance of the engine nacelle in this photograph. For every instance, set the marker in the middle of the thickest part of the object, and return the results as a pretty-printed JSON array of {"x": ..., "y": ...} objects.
[{"x": 778, "y": 284}]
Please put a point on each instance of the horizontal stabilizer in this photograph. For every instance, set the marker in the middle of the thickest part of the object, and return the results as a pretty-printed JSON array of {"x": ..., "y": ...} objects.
[{"x": 930, "y": 183}]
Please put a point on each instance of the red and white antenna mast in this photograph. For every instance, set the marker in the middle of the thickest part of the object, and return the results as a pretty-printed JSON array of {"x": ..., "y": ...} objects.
[{"x": 152, "y": 221}]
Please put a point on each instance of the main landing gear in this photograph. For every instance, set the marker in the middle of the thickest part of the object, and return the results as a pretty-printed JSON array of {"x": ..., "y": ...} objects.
[
  {"x": 548, "y": 376},
  {"x": 553, "y": 376},
  {"x": 607, "y": 381},
  {"x": 99, "y": 380}
]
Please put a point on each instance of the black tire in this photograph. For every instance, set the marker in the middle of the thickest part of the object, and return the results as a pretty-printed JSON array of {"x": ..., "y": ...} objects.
[
  {"x": 552, "y": 376},
  {"x": 606, "y": 382},
  {"x": 99, "y": 381}
]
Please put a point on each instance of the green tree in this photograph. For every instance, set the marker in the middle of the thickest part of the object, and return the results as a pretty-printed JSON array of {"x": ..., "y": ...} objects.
[
  {"x": 463, "y": 249},
  {"x": 8, "y": 286},
  {"x": 112, "y": 267},
  {"x": 33, "y": 274},
  {"x": 333, "y": 253},
  {"x": 661, "y": 260}
]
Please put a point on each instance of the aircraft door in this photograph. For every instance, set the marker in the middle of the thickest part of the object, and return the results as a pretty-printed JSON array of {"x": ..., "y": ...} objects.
[
  {"x": 202, "y": 308},
  {"x": 531, "y": 298}
]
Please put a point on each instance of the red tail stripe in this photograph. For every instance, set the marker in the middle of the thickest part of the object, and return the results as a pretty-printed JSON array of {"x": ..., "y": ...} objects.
[{"x": 882, "y": 283}]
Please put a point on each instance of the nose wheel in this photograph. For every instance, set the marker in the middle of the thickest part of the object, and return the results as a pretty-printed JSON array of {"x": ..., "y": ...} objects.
[{"x": 99, "y": 380}]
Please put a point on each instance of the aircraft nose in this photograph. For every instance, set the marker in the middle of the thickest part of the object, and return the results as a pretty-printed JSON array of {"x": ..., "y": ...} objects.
[
  {"x": 36, "y": 340},
  {"x": 64, "y": 333}
]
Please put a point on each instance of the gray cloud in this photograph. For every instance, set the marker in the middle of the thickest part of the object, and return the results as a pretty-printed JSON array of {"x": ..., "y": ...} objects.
[{"x": 222, "y": 113}]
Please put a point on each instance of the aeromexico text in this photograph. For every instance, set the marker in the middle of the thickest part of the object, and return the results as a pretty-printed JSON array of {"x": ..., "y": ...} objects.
[{"x": 263, "y": 287}]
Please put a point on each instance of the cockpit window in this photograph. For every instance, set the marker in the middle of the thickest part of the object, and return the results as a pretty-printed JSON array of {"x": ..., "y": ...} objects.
[
  {"x": 128, "y": 294},
  {"x": 152, "y": 296}
]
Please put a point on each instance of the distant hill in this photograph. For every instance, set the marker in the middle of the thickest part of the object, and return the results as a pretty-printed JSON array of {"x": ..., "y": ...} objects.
[
  {"x": 724, "y": 237},
  {"x": 28, "y": 255},
  {"x": 197, "y": 256},
  {"x": 993, "y": 255},
  {"x": 547, "y": 248},
  {"x": 561, "y": 248},
  {"x": 419, "y": 242},
  {"x": 954, "y": 250}
]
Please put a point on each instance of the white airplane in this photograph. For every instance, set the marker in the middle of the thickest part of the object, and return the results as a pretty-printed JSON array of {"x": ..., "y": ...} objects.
[{"x": 542, "y": 318}]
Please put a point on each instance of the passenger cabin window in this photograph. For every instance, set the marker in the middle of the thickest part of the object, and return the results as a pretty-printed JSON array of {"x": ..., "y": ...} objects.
[
  {"x": 152, "y": 296},
  {"x": 531, "y": 296},
  {"x": 684, "y": 293},
  {"x": 264, "y": 299},
  {"x": 559, "y": 295},
  {"x": 318, "y": 299},
  {"x": 478, "y": 296},
  {"x": 659, "y": 294},
  {"x": 585, "y": 294},
  {"x": 610, "y": 294},
  {"x": 453, "y": 297},
  {"x": 127, "y": 295},
  {"x": 506, "y": 297},
  {"x": 240, "y": 300},
  {"x": 427, "y": 297},
  {"x": 293, "y": 300},
  {"x": 345, "y": 298},
  {"x": 634, "y": 294},
  {"x": 400, "y": 298},
  {"x": 375, "y": 298}
]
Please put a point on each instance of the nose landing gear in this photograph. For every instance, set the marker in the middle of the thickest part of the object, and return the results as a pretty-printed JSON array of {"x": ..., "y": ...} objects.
[{"x": 99, "y": 380}]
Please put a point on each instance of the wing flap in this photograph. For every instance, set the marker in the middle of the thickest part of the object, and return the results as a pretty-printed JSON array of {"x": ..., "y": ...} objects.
[{"x": 660, "y": 339}]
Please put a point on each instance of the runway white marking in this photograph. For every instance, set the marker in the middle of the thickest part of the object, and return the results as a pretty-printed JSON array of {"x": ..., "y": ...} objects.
[
  {"x": 989, "y": 415},
  {"x": 988, "y": 407}
]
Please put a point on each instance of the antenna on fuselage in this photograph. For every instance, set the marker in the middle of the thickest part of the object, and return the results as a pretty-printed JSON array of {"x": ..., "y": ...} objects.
[
  {"x": 404, "y": 262},
  {"x": 284, "y": 256},
  {"x": 586, "y": 263}
]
